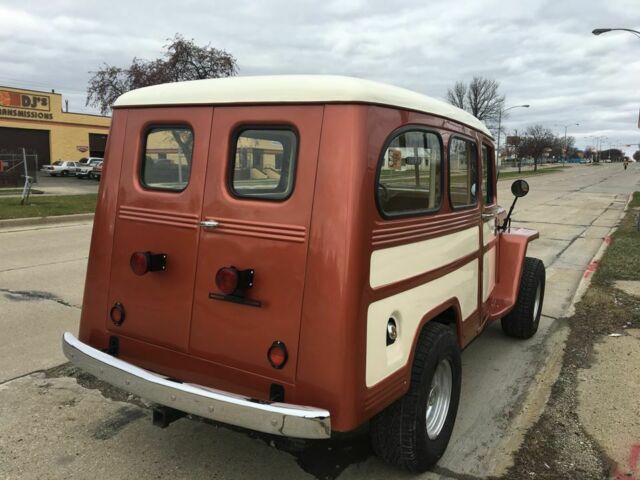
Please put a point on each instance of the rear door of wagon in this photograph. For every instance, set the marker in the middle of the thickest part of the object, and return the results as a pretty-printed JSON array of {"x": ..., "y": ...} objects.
[
  {"x": 159, "y": 202},
  {"x": 257, "y": 211}
]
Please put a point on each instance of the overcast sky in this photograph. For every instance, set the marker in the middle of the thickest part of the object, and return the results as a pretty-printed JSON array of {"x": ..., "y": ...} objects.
[{"x": 541, "y": 52}]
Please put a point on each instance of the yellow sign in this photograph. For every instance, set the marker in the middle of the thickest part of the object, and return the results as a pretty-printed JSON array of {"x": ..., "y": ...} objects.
[{"x": 24, "y": 105}]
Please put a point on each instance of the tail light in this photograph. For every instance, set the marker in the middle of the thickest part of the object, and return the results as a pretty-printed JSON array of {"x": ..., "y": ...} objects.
[
  {"x": 140, "y": 263},
  {"x": 277, "y": 354},
  {"x": 228, "y": 280},
  {"x": 143, "y": 262}
]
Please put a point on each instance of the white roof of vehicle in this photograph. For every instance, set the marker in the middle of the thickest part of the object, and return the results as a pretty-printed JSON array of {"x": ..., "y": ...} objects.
[{"x": 293, "y": 89}]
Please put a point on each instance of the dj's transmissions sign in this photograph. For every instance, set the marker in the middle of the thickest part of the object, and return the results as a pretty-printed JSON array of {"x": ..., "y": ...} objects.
[{"x": 23, "y": 105}]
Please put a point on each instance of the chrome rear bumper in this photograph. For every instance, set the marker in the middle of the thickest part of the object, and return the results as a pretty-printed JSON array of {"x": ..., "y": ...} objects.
[{"x": 274, "y": 418}]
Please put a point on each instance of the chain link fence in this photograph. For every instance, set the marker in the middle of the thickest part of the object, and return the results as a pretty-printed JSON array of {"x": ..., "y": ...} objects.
[{"x": 14, "y": 166}]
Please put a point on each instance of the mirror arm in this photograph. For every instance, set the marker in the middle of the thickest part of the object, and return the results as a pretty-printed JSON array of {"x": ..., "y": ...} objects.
[{"x": 507, "y": 221}]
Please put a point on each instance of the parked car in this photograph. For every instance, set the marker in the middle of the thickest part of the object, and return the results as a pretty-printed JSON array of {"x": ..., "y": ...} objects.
[
  {"x": 319, "y": 265},
  {"x": 84, "y": 169},
  {"x": 96, "y": 171},
  {"x": 62, "y": 168}
]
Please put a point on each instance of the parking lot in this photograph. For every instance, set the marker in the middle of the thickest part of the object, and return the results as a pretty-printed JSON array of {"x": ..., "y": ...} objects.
[
  {"x": 65, "y": 185},
  {"x": 52, "y": 426}
]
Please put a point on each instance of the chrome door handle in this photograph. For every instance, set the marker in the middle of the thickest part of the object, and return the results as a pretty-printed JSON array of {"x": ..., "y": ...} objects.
[{"x": 208, "y": 224}]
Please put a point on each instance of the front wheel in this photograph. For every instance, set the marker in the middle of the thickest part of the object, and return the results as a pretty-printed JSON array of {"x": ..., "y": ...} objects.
[
  {"x": 414, "y": 432},
  {"x": 524, "y": 319}
]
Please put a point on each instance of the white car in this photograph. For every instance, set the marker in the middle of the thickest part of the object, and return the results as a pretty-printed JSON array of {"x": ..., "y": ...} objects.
[
  {"x": 63, "y": 168},
  {"x": 85, "y": 166}
]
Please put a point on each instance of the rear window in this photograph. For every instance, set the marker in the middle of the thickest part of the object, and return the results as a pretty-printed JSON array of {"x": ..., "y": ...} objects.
[
  {"x": 263, "y": 163},
  {"x": 166, "y": 163},
  {"x": 409, "y": 177},
  {"x": 463, "y": 173}
]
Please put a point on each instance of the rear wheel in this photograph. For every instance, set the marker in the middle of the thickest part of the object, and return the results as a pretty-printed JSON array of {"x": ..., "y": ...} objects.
[
  {"x": 64, "y": 173},
  {"x": 524, "y": 319},
  {"x": 414, "y": 432}
]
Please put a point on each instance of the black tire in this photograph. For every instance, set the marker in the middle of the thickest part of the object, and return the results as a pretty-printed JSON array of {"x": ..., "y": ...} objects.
[
  {"x": 64, "y": 173},
  {"x": 399, "y": 433},
  {"x": 524, "y": 319}
]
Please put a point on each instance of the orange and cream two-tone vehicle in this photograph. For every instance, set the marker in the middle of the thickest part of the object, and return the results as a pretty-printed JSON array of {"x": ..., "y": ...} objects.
[{"x": 300, "y": 255}]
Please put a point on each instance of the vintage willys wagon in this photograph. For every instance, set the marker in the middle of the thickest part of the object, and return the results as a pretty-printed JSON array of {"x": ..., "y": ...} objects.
[{"x": 300, "y": 255}]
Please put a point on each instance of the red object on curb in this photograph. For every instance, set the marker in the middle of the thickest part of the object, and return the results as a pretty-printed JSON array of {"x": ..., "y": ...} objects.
[{"x": 592, "y": 267}]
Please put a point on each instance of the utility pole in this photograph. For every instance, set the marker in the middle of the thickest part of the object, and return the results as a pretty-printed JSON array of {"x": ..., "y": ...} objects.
[{"x": 566, "y": 147}]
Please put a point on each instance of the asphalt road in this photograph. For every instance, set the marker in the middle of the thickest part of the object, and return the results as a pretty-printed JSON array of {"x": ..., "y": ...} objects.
[{"x": 51, "y": 427}]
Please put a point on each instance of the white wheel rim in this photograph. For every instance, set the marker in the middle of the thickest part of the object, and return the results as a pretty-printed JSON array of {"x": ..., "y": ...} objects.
[
  {"x": 439, "y": 398},
  {"x": 536, "y": 303}
]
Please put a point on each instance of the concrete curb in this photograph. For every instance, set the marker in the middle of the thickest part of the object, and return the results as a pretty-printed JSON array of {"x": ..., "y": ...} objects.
[
  {"x": 36, "y": 221},
  {"x": 593, "y": 265}
]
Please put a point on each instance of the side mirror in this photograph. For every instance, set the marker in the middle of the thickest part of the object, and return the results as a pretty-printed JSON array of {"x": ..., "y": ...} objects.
[{"x": 520, "y": 188}]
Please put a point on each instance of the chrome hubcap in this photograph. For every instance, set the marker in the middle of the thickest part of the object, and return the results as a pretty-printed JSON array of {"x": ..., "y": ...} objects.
[
  {"x": 439, "y": 398},
  {"x": 536, "y": 304}
]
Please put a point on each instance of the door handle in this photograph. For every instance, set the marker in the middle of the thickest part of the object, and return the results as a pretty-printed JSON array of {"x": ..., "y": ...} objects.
[{"x": 209, "y": 224}]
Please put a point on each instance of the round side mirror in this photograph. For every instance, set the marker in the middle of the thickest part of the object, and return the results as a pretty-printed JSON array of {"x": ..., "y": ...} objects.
[{"x": 520, "y": 188}]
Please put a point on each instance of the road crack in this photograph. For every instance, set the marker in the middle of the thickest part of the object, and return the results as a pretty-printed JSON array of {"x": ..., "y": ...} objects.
[{"x": 29, "y": 295}]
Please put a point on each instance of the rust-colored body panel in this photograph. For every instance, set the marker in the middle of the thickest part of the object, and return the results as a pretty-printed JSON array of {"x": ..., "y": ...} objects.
[
  {"x": 314, "y": 282},
  {"x": 512, "y": 248}
]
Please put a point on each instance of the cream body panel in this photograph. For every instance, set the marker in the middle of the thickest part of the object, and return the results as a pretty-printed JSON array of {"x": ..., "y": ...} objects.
[
  {"x": 489, "y": 259},
  {"x": 394, "y": 264},
  {"x": 488, "y": 231},
  {"x": 488, "y": 273},
  {"x": 281, "y": 89},
  {"x": 408, "y": 308}
]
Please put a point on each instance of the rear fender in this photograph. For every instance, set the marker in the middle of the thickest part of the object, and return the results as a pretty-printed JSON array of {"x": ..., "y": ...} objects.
[{"x": 512, "y": 249}]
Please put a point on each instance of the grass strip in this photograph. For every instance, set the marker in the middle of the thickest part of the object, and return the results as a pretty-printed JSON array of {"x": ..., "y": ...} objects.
[{"x": 48, "y": 206}]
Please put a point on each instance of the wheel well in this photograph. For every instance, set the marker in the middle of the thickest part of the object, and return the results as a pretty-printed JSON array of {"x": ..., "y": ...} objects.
[{"x": 449, "y": 317}]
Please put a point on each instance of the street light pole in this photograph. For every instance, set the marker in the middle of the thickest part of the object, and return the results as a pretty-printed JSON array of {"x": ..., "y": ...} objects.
[
  {"x": 500, "y": 125},
  {"x": 564, "y": 156},
  {"x": 600, "y": 31}
]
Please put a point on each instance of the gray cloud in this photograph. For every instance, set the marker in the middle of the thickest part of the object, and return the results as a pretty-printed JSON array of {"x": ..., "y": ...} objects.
[{"x": 541, "y": 51}]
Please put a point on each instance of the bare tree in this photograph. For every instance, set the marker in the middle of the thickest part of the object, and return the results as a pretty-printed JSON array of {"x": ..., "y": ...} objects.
[
  {"x": 457, "y": 95},
  {"x": 480, "y": 97},
  {"x": 588, "y": 153},
  {"x": 559, "y": 148},
  {"x": 536, "y": 142},
  {"x": 182, "y": 60}
]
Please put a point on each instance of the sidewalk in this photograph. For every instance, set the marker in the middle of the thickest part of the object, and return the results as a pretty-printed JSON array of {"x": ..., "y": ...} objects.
[{"x": 590, "y": 427}]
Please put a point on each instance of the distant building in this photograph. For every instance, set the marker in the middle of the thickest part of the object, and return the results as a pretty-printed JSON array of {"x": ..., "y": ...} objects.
[{"x": 34, "y": 120}]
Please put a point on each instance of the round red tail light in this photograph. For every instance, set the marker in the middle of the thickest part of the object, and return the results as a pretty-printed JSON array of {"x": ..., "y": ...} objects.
[
  {"x": 227, "y": 280},
  {"x": 140, "y": 262},
  {"x": 277, "y": 354}
]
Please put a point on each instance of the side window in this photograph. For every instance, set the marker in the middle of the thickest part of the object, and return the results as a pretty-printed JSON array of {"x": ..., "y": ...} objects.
[
  {"x": 166, "y": 160},
  {"x": 463, "y": 173},
  {"x": 409, "y": 178},
  {"x": 487, "y": 175},
  {"x": 263, "y": 163}
]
